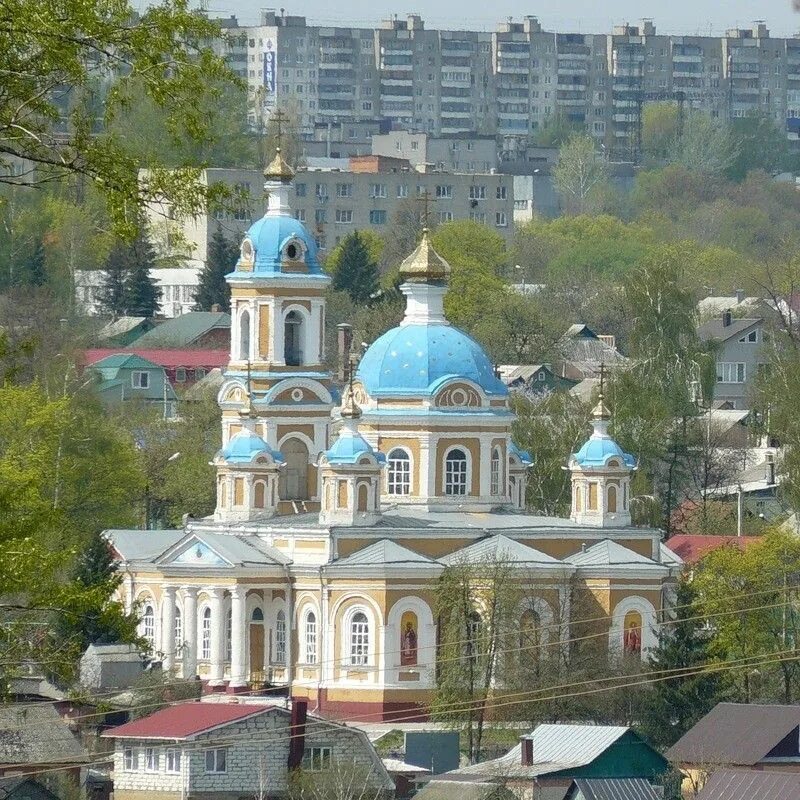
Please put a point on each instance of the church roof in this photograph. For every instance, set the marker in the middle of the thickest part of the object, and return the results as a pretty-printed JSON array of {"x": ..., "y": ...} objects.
[
  {"x": 246, "y": 445},
  {"x": 221, "y": 550},
  {"x": 384, "y": 552},
  {"x": 139, "y": 545},
  {"x": 425, "y": 265},
  {"x": 597, "y": 452},
  {"x": 501, "y": 549},
  {"x": 607, "y": 554}
]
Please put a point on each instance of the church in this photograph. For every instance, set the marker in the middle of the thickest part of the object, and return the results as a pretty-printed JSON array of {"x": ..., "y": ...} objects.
[{"x": 336, "y": 515}]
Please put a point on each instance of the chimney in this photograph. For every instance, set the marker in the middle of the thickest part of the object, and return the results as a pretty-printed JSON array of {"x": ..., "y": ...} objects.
[
  {"x": 727, "y": 318},
  {"x": 770, "y": 461},
  {"x": 739, "y": 295},
  {"x": 297, "y": 732},
  {"x": 216, "y": 308},
  {"x": 527, "y": 752},
  {"x": 344, "y": 343}
]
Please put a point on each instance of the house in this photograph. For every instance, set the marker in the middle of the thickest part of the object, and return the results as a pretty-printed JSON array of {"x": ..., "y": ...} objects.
[
  {"x": 553, "y": 756},
  {"x": 464, "y": 790},
  {"x": 535, "y": 378},
  {"x": 219, "y": 750},
  {"x": 583, "y": 352},
  {"x": 125, "y": 376},
  {"x": 124, "y": 331},
  {"x": 35, "y": 739},
  {"x": 21, "y": 788},
  {"x": 613, "y": 789},
  {"x": 110, "y": 666},
  {"x": 739, "y": 356},
  {"x": 210, "y": 330},
  {"x": 744, "y": 736},
  {"x": 690, "y": 548},
  {"x": 183, "y": 367},
  {"x": 745, "y": 784}
]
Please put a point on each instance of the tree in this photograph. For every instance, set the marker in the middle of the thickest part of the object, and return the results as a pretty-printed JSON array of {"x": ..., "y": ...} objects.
[
  {"x": 354, "y": 271},
  {"x": 580, "y": 174},
  {"x": 141, "y": 294},
  {"x": 213, "y": 289},
  {"x": 705, "y": 145},
  {"x": 34, "y": 272},
  {"x": 556, "y": 131},
  {"x": 671, "y": 707},
  {"x": 402, "y": 235},
  {"x": 111, "y": 297},
  {"x": 47, "y": 46},
  {"x": 760, "y": 144},
  {"x": 660, "y": 128}
]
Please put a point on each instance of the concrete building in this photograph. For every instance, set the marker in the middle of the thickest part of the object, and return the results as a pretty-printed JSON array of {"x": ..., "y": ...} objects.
[{"x": 463, "y": 152}]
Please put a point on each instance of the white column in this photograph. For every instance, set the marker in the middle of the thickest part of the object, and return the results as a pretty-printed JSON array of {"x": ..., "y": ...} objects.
[
  {"x": 189, "y": 620},
  {"x": 277, "y": 333},
  {"x": 238, "y": 668},
  {"x": 168, "y": 627},
  {"x": 484, "y": 465},
  {"x": 313, "y": 335},
  {"x": 290, "y": 628},
  {"x": 217, "y": 662}
]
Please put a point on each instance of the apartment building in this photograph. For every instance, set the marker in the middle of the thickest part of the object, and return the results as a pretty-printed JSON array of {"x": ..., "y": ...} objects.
[
  {"x": 458, "y": 152},
  {"x": 508, "y": 82}
]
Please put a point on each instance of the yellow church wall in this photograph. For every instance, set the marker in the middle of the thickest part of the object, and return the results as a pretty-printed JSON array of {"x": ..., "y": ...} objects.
[
  {"x": 276, "y": 291},
  {"x": 263, "y": 331},
  {"x": 284, "y": 430}
]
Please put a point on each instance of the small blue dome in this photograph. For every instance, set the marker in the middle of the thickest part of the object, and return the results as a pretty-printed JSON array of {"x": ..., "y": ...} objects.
[
  {"x": 245, "y": 446},
  {"x": 348, "y": 449},
  {"x": 523, "y": 455},
  {"x": 416, "y": 359},
  {"x": 598, "y": 451},
  {"x": 270, "y": 235}
]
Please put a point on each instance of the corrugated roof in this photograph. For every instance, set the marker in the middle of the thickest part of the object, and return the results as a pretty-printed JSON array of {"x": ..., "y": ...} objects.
[
  {"x": 461, "y": 790},
  {"x": 747, "y": 784},
  {"x": 116, "y": 360},
  {"x": 238, "y": 549},
  {"x": 186, "y": 720},
  {"x": 36, "y": 734},
  {"x": 168, "y": 357},
  {"x": 608, "y": 553},
  {"x": 735, "y": 733},
  {"x": 138, "y": 545},
  {"x": 120, "y": 326},
  {"x": 615, "y": 789},
  {"x": 692, "y": 547},
  {"x": 183, "y": 330},
  {"x": 384, "y": 552},
  {"x": 499, "y": 548}
]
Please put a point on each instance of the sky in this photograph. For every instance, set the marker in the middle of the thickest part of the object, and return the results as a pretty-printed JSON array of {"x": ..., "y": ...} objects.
[{"x": 579, "y": 16}]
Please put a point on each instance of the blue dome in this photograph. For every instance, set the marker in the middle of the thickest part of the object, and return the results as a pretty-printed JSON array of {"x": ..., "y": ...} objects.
[
  {"x": 523, "y": 455},
  {"x": 598, "y": 451},
  {"x": 416, "y": 359},
  {"x": 245, "y": 445},
  {"x": 269, "y": 235},
  {"x": 348, "y": 449}
]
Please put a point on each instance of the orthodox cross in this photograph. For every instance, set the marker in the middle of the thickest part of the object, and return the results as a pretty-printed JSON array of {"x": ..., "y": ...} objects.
[
  {"x": 602, "y": 377},
  {"x": 279, "y": 118},
  {"x": 426, "y": 199}
]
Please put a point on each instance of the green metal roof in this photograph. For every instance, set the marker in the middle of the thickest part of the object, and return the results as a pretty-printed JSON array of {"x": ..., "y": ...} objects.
[{"x": 184, "y": 330}]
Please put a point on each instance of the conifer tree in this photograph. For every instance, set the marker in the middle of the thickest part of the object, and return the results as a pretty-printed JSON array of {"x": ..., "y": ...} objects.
[
  {"x": 34, "y": 271},
  {"x": 112, "y": 293},
  {"x": 213, "y": 289},
  {"x": 141, "y": 294},
  {"x": 355, "y": 272}
]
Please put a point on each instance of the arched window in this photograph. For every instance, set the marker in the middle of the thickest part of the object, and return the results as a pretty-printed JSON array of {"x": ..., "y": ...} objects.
[
  {"x": 294, "y": 475},
  {"x": 259, "y": 494},
  {"x": 495, "y": 472},
  {"x": 578, "y": 497},
  {"x": 529, "y": 633},
  {"x": 244, "y": 335},
  {"x": 612, "y": 500},
  {"x": 632, "y": 633},
  {"x": 359, "y": 639},
  {"x": 398, "y": 477},
  {"x": 228, "y": 634},
  {"x": 149, "y": 624},
  {"x": 455, "y": 472},
  {"x": 409, "y": 626},
  {"x": 280, "y": 638},
  {"x": 311, "y": 638},
  {"x": 223, "y": 493},
  {"x": 592, "y": 506},
  {"x": 293, "y": 339},
  {"x": 363, "y": 497},
  {"x": 178, "y": 630},
  {"x": 473, "y": 637},
  {"x": 205, "y": 636},
  {"x": 257, "y": 615}
]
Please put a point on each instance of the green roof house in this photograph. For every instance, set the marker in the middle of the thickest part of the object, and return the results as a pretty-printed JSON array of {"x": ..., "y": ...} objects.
[
  {"x": 126, "y": 376},
  {"x": 202, "y": 329}
]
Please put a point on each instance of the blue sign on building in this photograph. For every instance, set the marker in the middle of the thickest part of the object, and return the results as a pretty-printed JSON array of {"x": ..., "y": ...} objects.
[{"x": 269, "y": 71}]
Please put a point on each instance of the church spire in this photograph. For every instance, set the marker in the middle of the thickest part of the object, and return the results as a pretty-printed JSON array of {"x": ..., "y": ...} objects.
[{"x": 425, "y": 274}]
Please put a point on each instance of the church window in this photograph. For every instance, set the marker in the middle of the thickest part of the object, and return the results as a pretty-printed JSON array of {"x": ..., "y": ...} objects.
[
  {"x": 398, "y": 479},
  {"x": 244, "y": 336},
  {"x": 495, "y": 473},
  {"x": 363, "y": 497},
  {"x": 205, "y": 636},
  {"x": 612, "y": 500},
  {"x": 592, "y": 497},
  {"x": 292, "y": 339},
  {"x": 474, "y": 630},
  {"x": 228, "y": 634},
  {"x": 178, "y": 630},
  {"x": 455, "y": 472},
  {"x": 280, "y": 638},
  {"x": 311, "y": 638},
  {"x": 149, "y": 624},
  {"x": 258, "y": 494},
  {"x": 578, "y": 498},
  {"x": 359, "y": 639},
  {"x": 294, "y": 475}
]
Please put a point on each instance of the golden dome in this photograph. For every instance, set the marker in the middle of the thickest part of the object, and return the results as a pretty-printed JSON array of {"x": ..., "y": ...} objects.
[
  {"x": 425, "y": 265},
  {"x": 278, "y": 169}
]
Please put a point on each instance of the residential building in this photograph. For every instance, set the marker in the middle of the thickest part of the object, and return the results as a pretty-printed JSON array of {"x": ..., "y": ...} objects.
[
  {"x": 203, "y": 330},
  {"x": 534, "y": 378},
  {"x": 219, "y": 750},
  {"x": 691, "y": 548},
  {"x": 110, "y": 666},
  {"x": 125, "y": 330},
  {"x": 465, "y": 152},
  {"x": 178, "y": 287},
  {"x": 553, "y": 756},
  {"x": 336, "y": 514},
  {"x": 125, "y": 377},
  {"x": 739, "y": 357},
  {"x": 759, "y": 738},
  {"x": 464, "y": 790},
  {"x": 584, "y": 353},
  {"x": 740, "y": 784},
  {"x": 613, "y": 789},
  {"x": 183, "y": 367}
]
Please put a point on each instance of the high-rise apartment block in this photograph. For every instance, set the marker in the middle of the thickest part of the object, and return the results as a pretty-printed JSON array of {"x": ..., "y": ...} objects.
[{"x": 507, "y": 83}]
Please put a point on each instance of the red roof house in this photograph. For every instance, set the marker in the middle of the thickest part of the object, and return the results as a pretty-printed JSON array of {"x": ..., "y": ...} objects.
[
  {"x": 692, "y": 547},
  {"x": 183, "y": 366}
]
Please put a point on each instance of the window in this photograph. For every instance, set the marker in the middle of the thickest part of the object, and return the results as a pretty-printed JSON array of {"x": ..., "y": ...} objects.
[
  {"x": 216, "y": 760},
  {"x": 495, "y": 472},
  {"x": 359, "y": 639},
  {"x": 205, "y": 636},
  {"x": 293, "y": 339},
  {"x": 414, "y": 145},
  {"x": 150, "y": 759},
  {"x": 129, "y": 759},
  {"x": 731, "y": 372},
  {"x": 140, "y": 380},
  {"x": 300, "y": 190},
  {"x": 319, "y": 216},
  {"x": 478, "y": 216},
  {"x": 473, "y": 635},
  {"x": 750, "y": 338},
  {"x": 180, "y": 375},
  {"x": 149, "y": 624},
  {"x": 300, "y": 215},
  {"x": 398, "y": 481},
  {"x": 316, "y": 759},
  {"x": 502, "y": 193},
  {"x": 199, "y": 373},
  {"x": 178, "y": 629},
  {"x": 280, "y": 638},
  {"x": 244, "y": 335},
  {"x": 444, "y": 216},
  {"x": 377, "y": 190},
  {"x": 455, "y": 472},
  {"x": 402, "y": 189},
  {"x": 377, "y": 217},
  {"x": 344, "y": 216},
  {"x": 173, "y": 760},
  {"x": 500, "y": 219},
  {"x": 444, "y": 191},
  {"x": 322, "y": 191},
  {"x": 477, "y": 192},
  {"x": 311, "y": 638},
  {"x": 228, "y": 633},
  {"x": 344, "y": 189}
]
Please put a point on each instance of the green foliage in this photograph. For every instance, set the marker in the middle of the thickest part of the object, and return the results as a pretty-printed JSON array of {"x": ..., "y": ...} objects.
[
  {"x": 213, "y": 289},
  {"x": 580, "y": 176},
  {"x": 706, "y": 145},
  {"x": 556, "y": 131},
  {"x": 128, "y": 288},
  {"x": 760, "y": 145},
  {"x": 354, "y": 270},
  {"x": 660, "y": 128}
]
